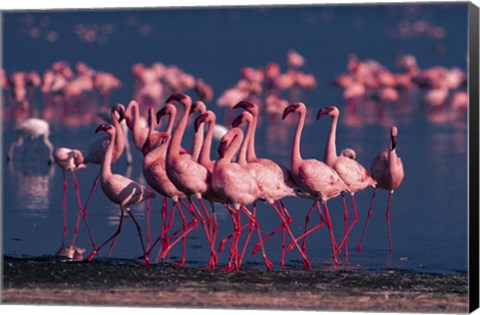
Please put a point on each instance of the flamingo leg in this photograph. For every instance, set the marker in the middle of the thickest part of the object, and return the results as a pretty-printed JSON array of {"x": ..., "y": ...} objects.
[
  {"x": 139, "y": 232},
  {"x": 80, "y": 211},
  {"x": 302, "y": 236},
  {"x": 355, "y": 219},
  {"x": 307, "y": 220},
  {"x": 213, "y": 263},
  {"x": 213, "y": 254},
  {"x": 330, "y": 229},
  {"x": 148, "y": 212},
  {"x": 65, "y": 187},
  {"x": 234, "y": 215},
  {"x": 249, "y": 235},
  {"x": 267, "y": 262},
  {"x": 117, "y": 232},
  {"x": 387, "y": 214},
  {"x": 95, "y": 182},
  {"x": 194, "y": 224},
  {"x": 369, "y": 214}
]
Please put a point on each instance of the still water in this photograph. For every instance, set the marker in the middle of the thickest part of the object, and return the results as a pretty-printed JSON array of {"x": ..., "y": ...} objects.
[{"x": 429, "y": 210}]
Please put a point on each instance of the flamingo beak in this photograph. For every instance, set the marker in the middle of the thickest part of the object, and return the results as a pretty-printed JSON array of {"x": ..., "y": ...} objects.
[
  {"x": 102, "y": 127},
  {"x": 176, "y": 97},
  {"x": 393, "y": 140},
  {"x": 243, "y": 104},
  {"x": 324, "y": 111},
  {"x": 162, "y": 112},
  {"x": 288, "y": 110},
  {"x": 237, "y": 121},
  {"x": 200, "y": 120},
  {"x": 221, "y": 149}
]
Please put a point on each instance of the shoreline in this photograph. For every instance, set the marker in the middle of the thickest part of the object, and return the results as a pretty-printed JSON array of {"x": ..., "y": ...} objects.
[{"x": 55, "y": 282}]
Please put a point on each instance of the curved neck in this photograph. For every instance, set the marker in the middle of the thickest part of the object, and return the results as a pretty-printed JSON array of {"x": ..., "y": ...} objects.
[
  {"x": 175, "y": 143},
  {"x": 233, "y": 147},
  {"x": 331, "y": 149},
  {"x": 204, "y": 158},
  {"x": 251, "y": 156},
  {"x": 295, "y": 157},
  {"x": 138, "y": 135},
  {"x": 171, "y": 121},
  {"x": 197, "y": 142},
  {"x": 119, "y": 136},
  {"x": 107, "y": 160},
  {"x": 247, "y": 144}
]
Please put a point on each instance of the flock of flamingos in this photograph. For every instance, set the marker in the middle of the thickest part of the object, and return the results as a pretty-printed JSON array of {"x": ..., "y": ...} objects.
[{"x": 238, "y": 179}]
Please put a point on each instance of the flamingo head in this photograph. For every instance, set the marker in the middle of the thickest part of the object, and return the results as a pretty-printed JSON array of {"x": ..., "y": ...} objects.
[
  {"x": 120, "y": 109},
  {"x": 177, "y": 97},
  {"x": 200, "y": 120},
  {"x": 154, "y": 139},
  {"x": 252, "y": 108},
  {"x": 162, "y": 112},
  {"x": 128, "y": 113},
  {"x": 199, "y": 107},
  {"x": 242, "y": 118},
  {"x": 393, "y": 137},
  {"x": 105, "y": 127},
  {"x": 330, "y": 110},
  {"x": 293, "y": 108}
]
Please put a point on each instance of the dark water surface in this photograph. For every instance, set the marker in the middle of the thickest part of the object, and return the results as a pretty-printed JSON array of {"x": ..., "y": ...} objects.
[{"x": 429, "y": 211}]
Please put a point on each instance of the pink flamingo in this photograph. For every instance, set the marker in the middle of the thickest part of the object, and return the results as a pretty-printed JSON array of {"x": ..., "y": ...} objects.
[
  {"x": 185, "y": 173},
  {"x": 226, "y": 183},
  {"x": 313, "y": 176},
  {"x": 133, "y": 119},
  {"x": 387, "y": 170},
  {"x": 352, "y": 173},
  {"x": 120, "y": 190},
  {"x": 69, "y": 160},
  {"x": 99, "y": 148},
  {"x": 272, "y": 187},
  {"x": 201, "y": 108},
  {"x": 155, "y": 151}
]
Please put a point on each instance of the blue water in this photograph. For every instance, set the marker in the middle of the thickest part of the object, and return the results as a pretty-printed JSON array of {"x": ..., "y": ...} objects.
[{"x": 429, "y": 210}]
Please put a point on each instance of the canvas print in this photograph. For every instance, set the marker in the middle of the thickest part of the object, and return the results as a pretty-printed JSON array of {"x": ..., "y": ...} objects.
[{"x": 302, "y": 157}]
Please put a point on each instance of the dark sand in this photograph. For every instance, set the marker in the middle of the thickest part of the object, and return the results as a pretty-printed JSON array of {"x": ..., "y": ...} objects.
[{"x": 50, "y": 281}]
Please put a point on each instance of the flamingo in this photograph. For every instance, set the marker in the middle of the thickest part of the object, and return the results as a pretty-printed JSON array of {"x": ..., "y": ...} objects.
[
  {"x": 155, "y": 174},
  {"x": 99, "y": 148},
  {"x": 272, "y": 186},
  {"x": 32, "y": 128},
  {"x": 201, "y": 108},
  {"x": 120, "y": 190},
  {"x": 134, "y": 123},
  {"x": 350, "y": 171},
  {"x": 387, "y": 170},
  {"x": 313, "y": 176},
  {"x": 234, "y": 184},
  {"x": 185, "y": 173},
  {"x": 69, "y": 160}
]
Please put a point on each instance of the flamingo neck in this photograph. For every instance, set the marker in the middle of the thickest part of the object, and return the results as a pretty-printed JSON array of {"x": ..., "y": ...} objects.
[
  {"x": 296, "y": 158},
  {"x": 138, "y": 135},
  {"x": 175, "y": 143},
  {"x": 204, "y": 158},
  {"x": 251, "y": 156},
  {"x": 197, "y": 142},
  {"x": 107, "y": 160},
  {"x": 233, "y": 147},
  {"x": 119, "y": 137},
  {"x": 171, "y": 121},
  {"x": 331, "y": 149}
]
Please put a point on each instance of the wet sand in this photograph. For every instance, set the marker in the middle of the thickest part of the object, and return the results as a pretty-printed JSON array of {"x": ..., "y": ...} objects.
[{"x": 50, "y": 281}]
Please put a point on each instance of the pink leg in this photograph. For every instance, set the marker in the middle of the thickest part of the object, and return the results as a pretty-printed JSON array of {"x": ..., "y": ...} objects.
[
  {"x": 231, "y": 265},
  {"x": 355, "y": 219},
  {"x": 213, "y": 263},
  {"x": 119, "y": 229},
  {"x": 249, "y": 235},
  {"x": 369, "y": 214},
  {"x": 65, "y": 187},
  {"x": 147, "y": 212},
  {"x": 267, "y": 262},
  {"x": 95, "y": 182},
  {"x": 332, "y": 236},
  {"x": 139, "y": 232},
  {"x": 388, "y": 221},
  {"x": 80, "y": 212},
  {"x": 307, "y": 220},
  {"x": 213, "y": 254},
  {"x": 306, "y": 261}
]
